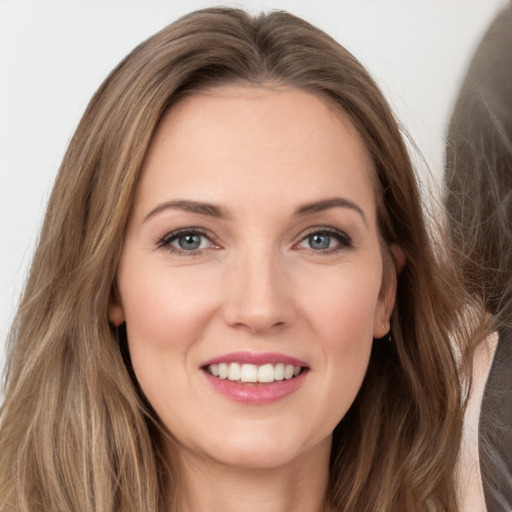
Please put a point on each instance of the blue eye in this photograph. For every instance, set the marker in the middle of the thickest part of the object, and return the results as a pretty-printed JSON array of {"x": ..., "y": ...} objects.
[
  {"x": 188, "y": 242},
  {"x": 184, "y": 241},
  {"x": 325, "y": 241},
  {"x": 319, "y": 241}
]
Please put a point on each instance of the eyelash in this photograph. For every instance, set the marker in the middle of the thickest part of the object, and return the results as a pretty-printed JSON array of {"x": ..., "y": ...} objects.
[{"x": 344, "y": 241}]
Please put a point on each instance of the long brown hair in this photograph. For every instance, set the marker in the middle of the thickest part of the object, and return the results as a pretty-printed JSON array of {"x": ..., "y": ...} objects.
[{"x": 76, "y": 433}]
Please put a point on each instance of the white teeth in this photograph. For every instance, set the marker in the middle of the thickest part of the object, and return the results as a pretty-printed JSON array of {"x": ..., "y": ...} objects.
[
  {"x": 266, "y": 373},
  {"x": 279, "y": 371},
  {"x": 288, "y": 371},
  {"x": 251, "y": 373},
  {"x": 234, "y": 371},
  {"x": 223, "y": 371}
]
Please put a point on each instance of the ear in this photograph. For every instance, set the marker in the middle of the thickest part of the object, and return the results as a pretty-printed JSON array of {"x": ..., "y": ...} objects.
[
  {"x": 115, "y": 310},
  {"x": 387, "y": 294}
]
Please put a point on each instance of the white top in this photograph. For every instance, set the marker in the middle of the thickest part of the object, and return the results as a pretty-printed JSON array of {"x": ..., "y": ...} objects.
[{"x": 470, "y": 489}]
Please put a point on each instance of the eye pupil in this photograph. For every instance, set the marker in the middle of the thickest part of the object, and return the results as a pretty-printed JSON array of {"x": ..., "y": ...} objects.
[
  {"x": 319, "y": 241},
  {"x": 189, "y": 242}
]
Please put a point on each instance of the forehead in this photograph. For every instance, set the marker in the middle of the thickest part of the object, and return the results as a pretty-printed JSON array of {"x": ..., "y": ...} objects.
[{"x": 233, "y": 141}]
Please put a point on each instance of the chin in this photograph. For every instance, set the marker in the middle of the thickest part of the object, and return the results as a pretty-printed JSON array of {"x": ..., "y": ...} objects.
[{"x": 263, "y": 449}]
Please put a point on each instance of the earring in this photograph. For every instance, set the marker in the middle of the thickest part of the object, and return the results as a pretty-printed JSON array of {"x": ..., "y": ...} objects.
[{"x": 387, "y": 336}]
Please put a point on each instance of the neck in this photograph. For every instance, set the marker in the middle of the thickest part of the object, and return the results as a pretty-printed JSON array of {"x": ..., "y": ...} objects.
[{"x": 299, "y": 485}]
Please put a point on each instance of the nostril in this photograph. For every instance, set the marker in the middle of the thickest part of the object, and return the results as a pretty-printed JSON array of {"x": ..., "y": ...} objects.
[
  {"x": 255, "y": 321},
  {"x": 257, "y": 307}
]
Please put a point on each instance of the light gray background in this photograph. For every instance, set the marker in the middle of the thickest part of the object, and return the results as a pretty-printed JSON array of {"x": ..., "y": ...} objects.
[{"x": 54, "y": 54}]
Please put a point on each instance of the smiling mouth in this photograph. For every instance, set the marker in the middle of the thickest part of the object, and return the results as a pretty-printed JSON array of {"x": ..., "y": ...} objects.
[{"x": 251, "y": 373}]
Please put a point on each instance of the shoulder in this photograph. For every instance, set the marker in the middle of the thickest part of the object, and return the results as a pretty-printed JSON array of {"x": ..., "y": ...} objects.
[
  {"x": 470, "y": 489},
  {"x": 495, "y": 428}
]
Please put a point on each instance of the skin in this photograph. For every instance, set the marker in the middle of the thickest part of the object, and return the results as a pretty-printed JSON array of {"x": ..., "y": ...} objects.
[{"x": 255, "y": 284}]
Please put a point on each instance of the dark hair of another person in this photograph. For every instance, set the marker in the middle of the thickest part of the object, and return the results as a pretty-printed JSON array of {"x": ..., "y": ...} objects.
[
  {"x": 479, "y": 171},
  {"x": 479, "y": 200}
]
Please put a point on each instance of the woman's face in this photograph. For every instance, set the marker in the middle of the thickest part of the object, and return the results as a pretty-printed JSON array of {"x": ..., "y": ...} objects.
[{"x": 252, "y": 255}]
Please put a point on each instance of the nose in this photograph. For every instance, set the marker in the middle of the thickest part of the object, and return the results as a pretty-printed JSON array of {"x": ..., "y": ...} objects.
[{"x": 259, "y": 293}]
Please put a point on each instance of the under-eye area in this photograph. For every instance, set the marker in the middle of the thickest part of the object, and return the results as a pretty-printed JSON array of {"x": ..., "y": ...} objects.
[{"x": 251, "y": 373}]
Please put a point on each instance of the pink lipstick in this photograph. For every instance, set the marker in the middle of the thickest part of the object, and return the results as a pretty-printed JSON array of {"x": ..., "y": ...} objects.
[{"x": 255, "y": 378}]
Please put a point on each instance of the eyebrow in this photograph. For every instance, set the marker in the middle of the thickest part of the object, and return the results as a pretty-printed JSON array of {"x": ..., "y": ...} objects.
[
  {"x": 326, "y": 204},
  {"x": 201, "y": 208},
  {"x": 218, "y": 212}
]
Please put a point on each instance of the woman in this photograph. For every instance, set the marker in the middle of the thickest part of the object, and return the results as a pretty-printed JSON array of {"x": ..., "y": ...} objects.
[
  {"x": 210, "y": 320},
  {"x": 479, "y": 199}
]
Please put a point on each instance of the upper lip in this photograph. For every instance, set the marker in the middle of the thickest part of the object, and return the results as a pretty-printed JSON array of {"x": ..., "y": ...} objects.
[{"x": 257, "y": 359}]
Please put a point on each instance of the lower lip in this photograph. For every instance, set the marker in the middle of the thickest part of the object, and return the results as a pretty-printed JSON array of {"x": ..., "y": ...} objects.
[{"x": 256, "y": 393}]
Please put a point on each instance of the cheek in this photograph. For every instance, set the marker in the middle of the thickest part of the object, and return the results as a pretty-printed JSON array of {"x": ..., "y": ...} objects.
[
  {"x": 342, "y": 317},
  {"x": 162, "y": 303},
  {"x": 166, "y": 313},
  {"x": 344, "y": 309}
]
